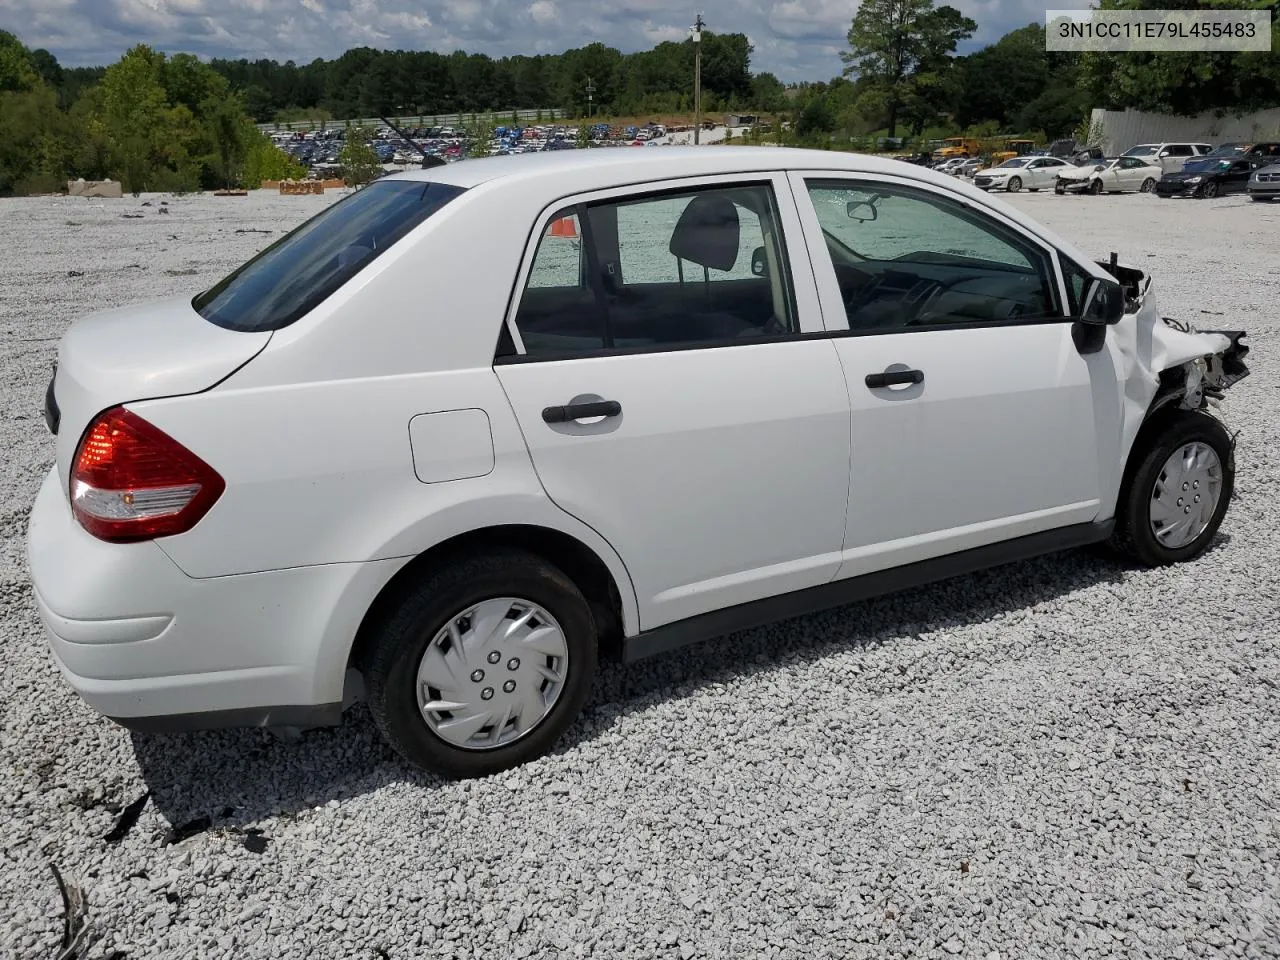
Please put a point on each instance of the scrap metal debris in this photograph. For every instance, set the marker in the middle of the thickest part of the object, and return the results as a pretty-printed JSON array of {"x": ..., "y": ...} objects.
[
  {"x": 251, "y": 230},
  {"x": 181, "y": 273},
  {"x": 75, "y": 925},
  {"x": 127, "y": 819}
]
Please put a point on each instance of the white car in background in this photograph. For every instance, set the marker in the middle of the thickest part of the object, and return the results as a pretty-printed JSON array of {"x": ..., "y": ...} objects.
[
  {"x": 1032, "y": 172},
  {"x": 653, "y": 401},
  {"x": 1110, "y": 175},
  {"x": 1169, "y": 157}
]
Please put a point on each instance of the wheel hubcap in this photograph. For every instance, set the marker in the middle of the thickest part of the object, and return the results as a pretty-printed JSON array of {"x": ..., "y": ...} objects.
[
  {"x": 1186, "y": 495},
  {"x": 518, "y": 642}
]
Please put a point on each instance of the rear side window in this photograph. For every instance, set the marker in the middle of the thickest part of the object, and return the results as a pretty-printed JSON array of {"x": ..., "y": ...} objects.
[
  {"x": 301, "y": 270},
  {"x": 659, "y": 272}
]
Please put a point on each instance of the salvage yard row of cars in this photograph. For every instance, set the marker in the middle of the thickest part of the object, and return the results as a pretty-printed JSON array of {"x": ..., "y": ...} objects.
[{"x": 1165, "y": 169}]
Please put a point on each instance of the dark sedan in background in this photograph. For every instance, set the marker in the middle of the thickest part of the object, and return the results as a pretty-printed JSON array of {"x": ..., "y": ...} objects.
[{"x": 1210, "y": 177}]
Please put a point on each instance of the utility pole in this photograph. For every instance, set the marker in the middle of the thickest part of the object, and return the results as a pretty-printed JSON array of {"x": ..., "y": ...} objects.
[
  {"x": 698, "y": 24},
  {"x": 591, "y": 89}
]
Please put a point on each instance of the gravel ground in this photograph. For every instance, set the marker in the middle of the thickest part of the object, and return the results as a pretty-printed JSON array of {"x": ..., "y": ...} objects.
[{"x": 1067, "y": 757}]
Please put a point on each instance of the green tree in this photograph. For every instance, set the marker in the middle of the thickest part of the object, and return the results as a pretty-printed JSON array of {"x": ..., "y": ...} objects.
[
  {"x": 1186, "y": 83},
  {"x": 898, "y": 47},
  {"x": 17, "y": 71},
  {"x": 265, "y": 161},
  {"x": 228, "y": 129},
  {"x": 136, "y": 116},
  {"x": 357, "y": 159},
  {"x": 480, "y": 133}
]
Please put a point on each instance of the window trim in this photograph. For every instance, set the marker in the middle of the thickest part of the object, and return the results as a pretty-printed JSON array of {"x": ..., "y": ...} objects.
[
  {"x": 824, "y": 272},
  {"x": 805, "y": 301}
]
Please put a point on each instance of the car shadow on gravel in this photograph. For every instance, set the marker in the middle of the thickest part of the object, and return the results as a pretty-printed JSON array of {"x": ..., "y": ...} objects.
[{"x": 235, "y": 777}]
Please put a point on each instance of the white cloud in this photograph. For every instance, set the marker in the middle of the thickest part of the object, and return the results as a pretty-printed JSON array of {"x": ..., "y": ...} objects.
[{"x": 796, "y": 39}]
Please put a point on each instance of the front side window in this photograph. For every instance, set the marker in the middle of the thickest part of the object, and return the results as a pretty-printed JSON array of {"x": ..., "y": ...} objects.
[
  {"x": 700, "y": 267},
  {"x": 301, "y": 270},
  {"x": 908, "y": 259}
]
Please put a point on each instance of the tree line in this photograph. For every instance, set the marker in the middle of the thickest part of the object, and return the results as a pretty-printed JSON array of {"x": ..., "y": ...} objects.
[{"x": 161, "y": 122}]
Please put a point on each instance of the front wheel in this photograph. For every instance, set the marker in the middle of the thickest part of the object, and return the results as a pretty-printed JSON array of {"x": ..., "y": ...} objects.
[
  {"x": 1095, "y": 188},
  {"x": 1174, "y": 500},
  {"x": 483, "y": 665},
  {"x": 1059, "y": 189},
  {"x": 1148, "y": 185},
  {"x": 1210, "y": 190},
  {"x": 1015, "y": 184}
]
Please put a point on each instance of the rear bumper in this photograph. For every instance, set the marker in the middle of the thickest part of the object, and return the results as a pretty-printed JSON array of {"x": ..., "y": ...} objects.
[{"x": 150, "y": 647}]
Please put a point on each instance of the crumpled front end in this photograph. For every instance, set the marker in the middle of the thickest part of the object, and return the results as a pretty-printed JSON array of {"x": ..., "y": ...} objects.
[{"x": 1168, "y": 362}]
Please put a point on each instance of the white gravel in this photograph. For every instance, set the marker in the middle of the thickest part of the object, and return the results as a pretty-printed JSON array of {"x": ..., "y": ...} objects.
[{"x": 1062, "y": 758}]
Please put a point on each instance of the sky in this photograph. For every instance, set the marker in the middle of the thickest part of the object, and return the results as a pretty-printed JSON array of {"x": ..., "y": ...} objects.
[{"x": 795, "y": 39}]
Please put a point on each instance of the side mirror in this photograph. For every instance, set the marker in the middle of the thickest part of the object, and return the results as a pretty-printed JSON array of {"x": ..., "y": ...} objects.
[
  {"x": 1165, "y": 153},
  {"x": 1103, "y": 303},
  {"x": 759, "y": 266},
  {"x": 862, "y": 210}
]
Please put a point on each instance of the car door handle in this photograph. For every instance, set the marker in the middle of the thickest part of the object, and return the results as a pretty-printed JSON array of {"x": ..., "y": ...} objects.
[
  {"x": 895, "y": 378},
  {"x": 582, "y": 411}
]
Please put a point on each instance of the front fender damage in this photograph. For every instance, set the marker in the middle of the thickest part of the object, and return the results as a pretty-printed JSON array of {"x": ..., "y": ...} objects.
[{"x": 1163, "y": 363}]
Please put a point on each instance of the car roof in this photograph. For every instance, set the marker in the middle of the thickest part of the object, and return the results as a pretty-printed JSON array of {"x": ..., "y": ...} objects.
[{"x": 628, "y": 166}]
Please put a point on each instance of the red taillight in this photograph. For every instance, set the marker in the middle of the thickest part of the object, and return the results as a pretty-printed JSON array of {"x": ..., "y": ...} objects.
[{"x": 132, "y": 481}]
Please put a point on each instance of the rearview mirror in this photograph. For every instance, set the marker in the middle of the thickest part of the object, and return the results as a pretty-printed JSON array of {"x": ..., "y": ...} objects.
[
  {"x": 862, "y": 210},
  {"x": 759, "y": 267},
  {"x": 1103, "y": 303}
]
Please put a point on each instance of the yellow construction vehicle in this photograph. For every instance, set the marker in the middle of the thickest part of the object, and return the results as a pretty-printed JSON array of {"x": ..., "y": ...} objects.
[
  {"x": 958, "y": 147},
  {"x": 1011, "y": 147}
]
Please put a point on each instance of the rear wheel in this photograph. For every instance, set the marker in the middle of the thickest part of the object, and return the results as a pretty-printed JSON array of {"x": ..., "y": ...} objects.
[
  {"x": 483, "y": 665},
  {"x": 1148, "y": 185},
  {"x": 1174, "y": 499},
  {"x": 1210, "y": 191},
  {"x": 1095, "y": 188},
  {"x": 1015, "y": 184}
]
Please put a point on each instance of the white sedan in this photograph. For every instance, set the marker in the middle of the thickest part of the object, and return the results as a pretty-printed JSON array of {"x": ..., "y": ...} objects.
[
  {"x": 1110, "y": 175},
  {"x": 472, "y": 427},
  {"x": 1034, "y": 173}
]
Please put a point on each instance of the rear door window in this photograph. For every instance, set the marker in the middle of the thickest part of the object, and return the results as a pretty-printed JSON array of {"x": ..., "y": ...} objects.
[
  {"x": 301, "y": 270},
  {"x": 660, "y": 271}
]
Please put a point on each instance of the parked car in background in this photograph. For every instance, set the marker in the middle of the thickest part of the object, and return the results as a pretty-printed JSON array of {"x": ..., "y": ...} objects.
[
  {"x": 1169, "y": 157},
  {"x": 968, "y": 168},
  {"x": 1264, "y": 183},
  {"x": 1034, "y": 173},
  {"x": 1265, "y": 149},
  {"x": 1109, "y": 175},
  {"x": 1209, "y": 177},
  {"x": 469, "y": 505}
]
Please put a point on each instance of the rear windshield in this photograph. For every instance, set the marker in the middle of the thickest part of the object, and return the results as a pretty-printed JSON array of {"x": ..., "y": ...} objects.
[{"x": 298, "y": 272}]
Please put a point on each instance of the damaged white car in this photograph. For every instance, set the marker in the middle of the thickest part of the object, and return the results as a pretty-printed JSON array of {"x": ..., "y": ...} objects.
[{"x": 473, "y": 427}]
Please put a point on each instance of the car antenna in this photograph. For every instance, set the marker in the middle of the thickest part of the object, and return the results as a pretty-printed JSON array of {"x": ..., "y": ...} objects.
[{"x": 428, "y": 160}]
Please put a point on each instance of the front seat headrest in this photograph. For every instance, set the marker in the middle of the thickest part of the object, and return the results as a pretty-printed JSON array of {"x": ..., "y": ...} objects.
[{"x": 708, "y": 233}]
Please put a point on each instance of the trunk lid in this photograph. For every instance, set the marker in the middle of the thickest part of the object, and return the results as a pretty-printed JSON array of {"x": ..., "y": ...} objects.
[{"x": 161, "y": 349}]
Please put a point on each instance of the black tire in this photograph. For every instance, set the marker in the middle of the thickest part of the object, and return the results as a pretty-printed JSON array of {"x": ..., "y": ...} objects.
[
  {"x": 1059, "y": 189},
  {"x": 1015, "y": 184},
  {"x": 1095, "y": 188},
  {"x": 1148, "y": 184},
  {"x": 1133, "y": 536},
  {"x": 390, "y": 666},
  {"x": 1210, "y": 191}
]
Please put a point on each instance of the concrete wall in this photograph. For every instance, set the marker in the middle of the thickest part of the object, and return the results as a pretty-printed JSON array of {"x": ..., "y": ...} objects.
[{"x": 1122, "y": 129}]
